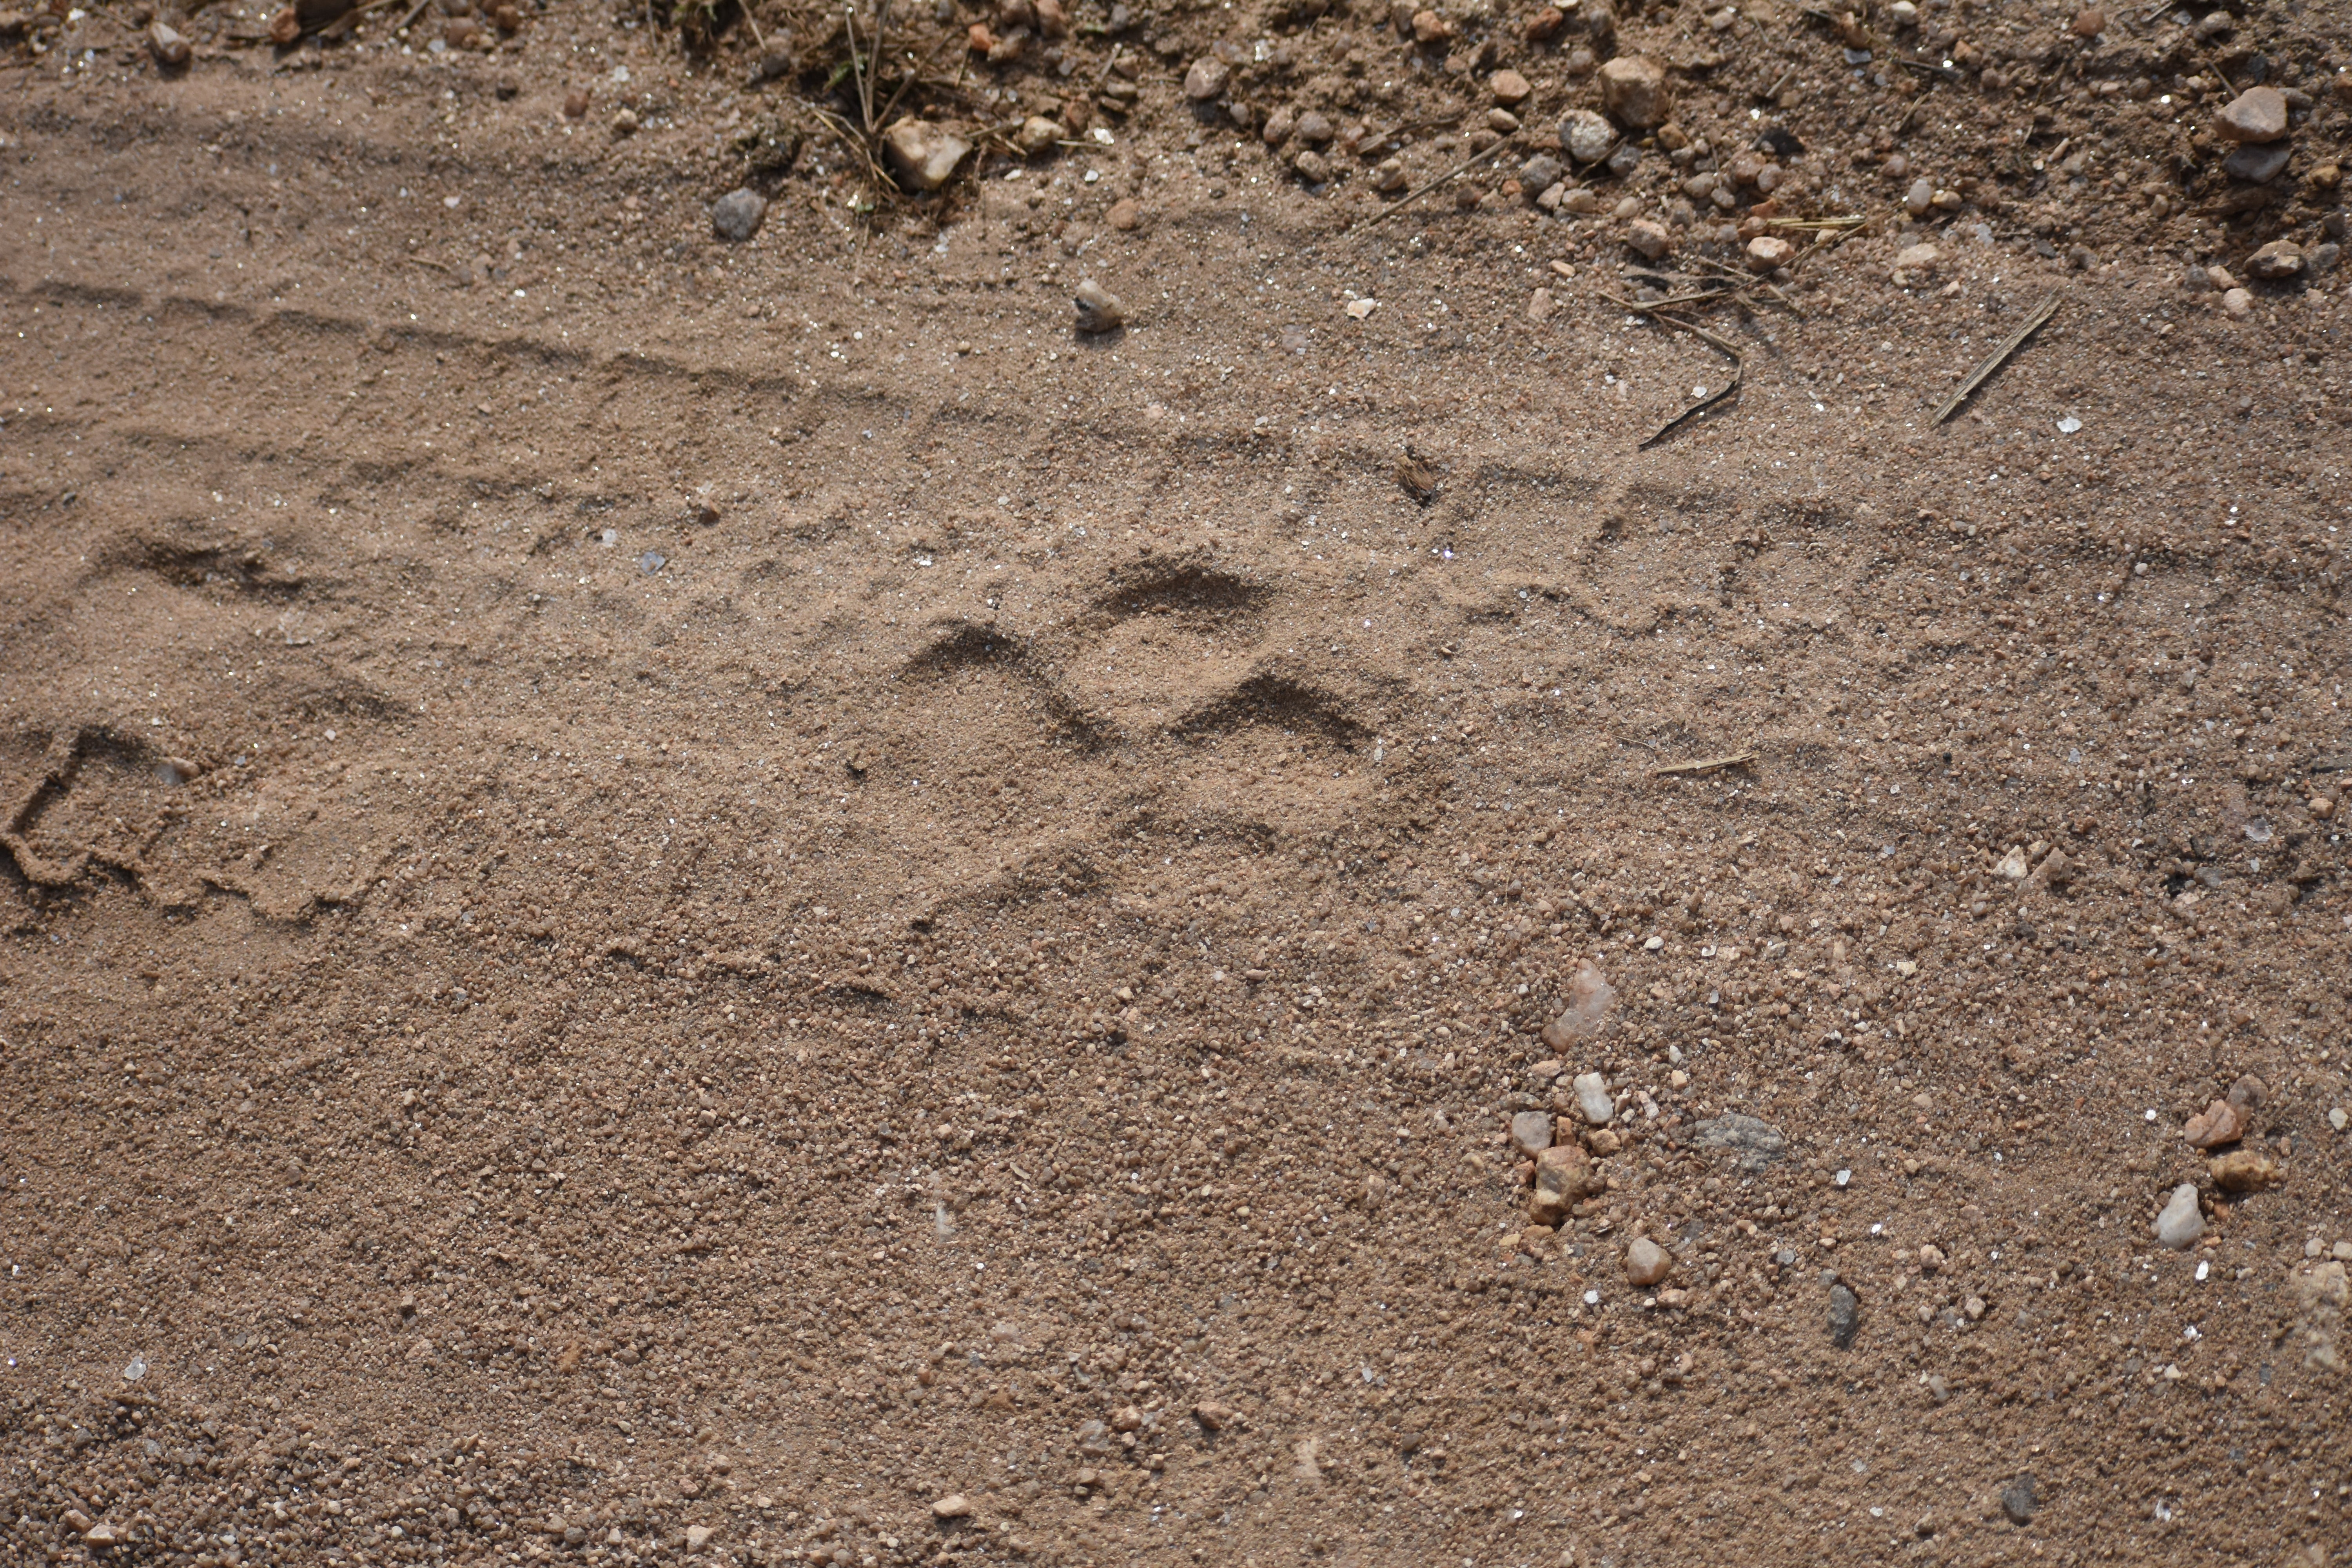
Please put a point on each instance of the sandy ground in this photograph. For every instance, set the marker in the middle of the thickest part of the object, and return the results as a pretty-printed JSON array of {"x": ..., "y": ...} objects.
[{"x": 669, "y": 900}]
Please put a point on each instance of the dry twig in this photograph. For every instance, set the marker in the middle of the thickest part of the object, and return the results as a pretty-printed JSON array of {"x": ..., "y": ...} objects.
[
  {"x": 1407, "y": 200},
  {"x": 1706, "y": 765},
  {"x": 1995, "y": 360}
]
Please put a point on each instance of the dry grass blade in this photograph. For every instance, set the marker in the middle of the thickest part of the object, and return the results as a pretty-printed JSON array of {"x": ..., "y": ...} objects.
[
  {"x": 1407, "y": 200},
  {"x": 1706, "y": 765},
  {"x": 1995, "y": 360},
  {"x": 1729, "y": 349},
  {"x": 1847, "y": 221}
]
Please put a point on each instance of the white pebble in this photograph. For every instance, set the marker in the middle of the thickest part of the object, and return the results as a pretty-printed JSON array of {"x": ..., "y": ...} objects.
[{"x": 2182, "y": 1222}]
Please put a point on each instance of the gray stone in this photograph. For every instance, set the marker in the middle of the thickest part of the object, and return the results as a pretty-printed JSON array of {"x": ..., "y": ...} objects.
[
  {"x": 1845, "y": 1316},
  {"x": 737, "y": 216},
  {"x": 1541, "y": 172},
  {"x": 1586, "y": 136},
  {"x": 1314, "y": 128},
  {"x": 1206, "y": 79},
  {"x": 1312, "y": 166},
  {"x": 1531, "y": 1132},
  {"x": 1756, "y": 1145},
  {"x": 2022, "y": 1498},
  {"x": 2256, "y": 164},
  {"x": 1625, "y": 159},
  {"x": 2182, "y": 1222}
]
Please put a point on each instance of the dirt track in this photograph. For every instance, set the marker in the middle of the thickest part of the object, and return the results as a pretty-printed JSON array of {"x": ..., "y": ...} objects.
[{"x": 673, "y": 899}]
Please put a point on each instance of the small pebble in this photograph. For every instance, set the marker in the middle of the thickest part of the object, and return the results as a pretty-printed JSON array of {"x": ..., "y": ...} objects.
[
  {"x": 2340, "y": 1118},
  {"x": 1915, "y": 261},
  {"x": 2090, "y": 22},
  {"x": 1531, "y": 1132},
  {"x": 1563, "y": 1175},
  {"x": 1037, "y": 134},
  {"x": 2182, "y": 1222},
  {"x": 1633, "y": 91},
  {"x": 1919, "y": 199},
  {"x": 1646, "y": 1262},
  {"x": 925, "y": 156},
  {"x": 1770, "y": 252},
  {"x": 2279, "y": 259},
  {"x": 1593, "y": 1098},
  {"x": 1510, "y": 88},
  {"x": 1649, "y": 239},
  {"x": 1125, "y": 216},
  {"x": 2220, "y": 1122},
  {"x": 2258, "y": 163},
  {"x": 1314, "y": 167},
  {"x": 737, "y": 216},
  {"x": 2257, "y": 114},
  {"x": 697, "y": 1536},
  {"x": 1206, "y": 79},
  {"x": 1314, "y": 128},
  {"x": 1099, "y": 309},
  {"x": 1212, "y": 1417},
  {"x": 2022, "y": 1498},
  {"x": 2237, "y": 303},
  {"x": 171, "y": 49},
  {"x": 2244, "y": 1171},
  {"x": 1590, "y": 996},
  {"x": 1586, "y": 136},
  {"x": 1845, "y": 1316}
]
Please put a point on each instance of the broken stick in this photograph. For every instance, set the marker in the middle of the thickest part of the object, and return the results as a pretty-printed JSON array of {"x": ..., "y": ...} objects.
[
  {"x": 1996, "y": 358},
  {"x": 1706, "y": 765}
]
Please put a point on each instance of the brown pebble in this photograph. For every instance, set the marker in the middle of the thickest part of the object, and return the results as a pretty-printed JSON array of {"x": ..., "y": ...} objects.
[
  {"x": 1125, "y": 216},
  {"x": 575, "y": 103},
  {"x": 2245, "y": 1171},
  {"x": 1563, "y": 1175},
  {"x": 1214, "y": 1416},
  {"x": 1646, "y": 1262},
  {"x": 2090, "y": 22},
  {"x": 955, "y": 1505},
  {"x": 2220, "y": 1122}
]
